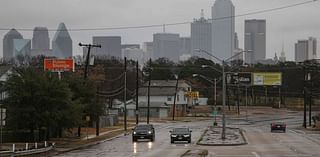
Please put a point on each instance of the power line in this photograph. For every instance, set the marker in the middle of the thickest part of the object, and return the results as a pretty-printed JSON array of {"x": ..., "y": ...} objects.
[{"x": 170, "y": 24}]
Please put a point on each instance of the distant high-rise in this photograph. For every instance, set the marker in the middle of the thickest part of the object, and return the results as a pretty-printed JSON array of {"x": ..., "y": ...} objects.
[
  {"x": 255, "y": 40},
  {"x": 306, "y": 49},
  {"x": 62, "y": 43},
  {"x": 124, "y": 46},
  {"x": 135, "y": 54},
  {"x": 147, "y": 48},
  {"x": 223, "y": 28},
  {"x": 166, "y": 45},
  {"x": 40, "y": 40},
  {"x": 8, "y": 46},
  {"x": 201, "y": 36},
  {"x": 21, "y": 47},
  {"x": 185, "y": 46},
  {"x": 110, "y": 46}
]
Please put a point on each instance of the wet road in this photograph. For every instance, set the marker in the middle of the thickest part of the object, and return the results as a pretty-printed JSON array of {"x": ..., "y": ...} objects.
[
  {"x": 261, "y": 142},
  {"x": 161, "y": 147}
]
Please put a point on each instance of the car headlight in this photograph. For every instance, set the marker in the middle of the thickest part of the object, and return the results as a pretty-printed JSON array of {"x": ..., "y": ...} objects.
[
  {"x": 173, "y": 135},
  {"x": 186, "y": 135},
  {"x": 134, "y": 132},
  {"x": 149, "y": 132}
]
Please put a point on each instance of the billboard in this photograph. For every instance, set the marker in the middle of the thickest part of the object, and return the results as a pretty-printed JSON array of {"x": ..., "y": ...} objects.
[
  {"x": 242, "y": 78},
  {"x": 267, "y": 79},
  {"x": 192, "y": 94},
  {"x": 58, "y": 65}
]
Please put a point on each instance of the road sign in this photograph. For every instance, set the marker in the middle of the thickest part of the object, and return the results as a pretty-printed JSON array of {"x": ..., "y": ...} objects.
[
  {"x": 242, "y": 78},
  {"x": 58, "y": 65}
]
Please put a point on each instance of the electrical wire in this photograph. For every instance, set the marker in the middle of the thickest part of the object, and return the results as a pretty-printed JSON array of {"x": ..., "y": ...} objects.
[{"x": 170, "y": 24}]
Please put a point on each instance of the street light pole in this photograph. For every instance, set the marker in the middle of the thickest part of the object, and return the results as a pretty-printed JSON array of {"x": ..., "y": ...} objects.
[
  {"x": 148, "y": 109},
  {"x": 223, "y": 136},
  {"x": 125, "y": 94},
  {"x": 215, "y": 102},
  {"x": 137, "y": 92}
]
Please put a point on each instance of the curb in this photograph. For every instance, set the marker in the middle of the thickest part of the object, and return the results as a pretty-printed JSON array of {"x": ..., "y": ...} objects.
[
  {"x": 223, "y": 144},
  {"x": 200, "y": 153},
  {"x": 90, "y": 144}
]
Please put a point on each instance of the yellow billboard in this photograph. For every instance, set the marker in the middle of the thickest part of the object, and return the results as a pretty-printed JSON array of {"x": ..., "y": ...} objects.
[
  {"x": 267, "y": 79},
  {"x": 192, "y": 94}
]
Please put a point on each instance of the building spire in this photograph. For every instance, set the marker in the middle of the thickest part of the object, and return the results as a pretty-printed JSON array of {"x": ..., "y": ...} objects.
[{"x": 202, "y": 14}]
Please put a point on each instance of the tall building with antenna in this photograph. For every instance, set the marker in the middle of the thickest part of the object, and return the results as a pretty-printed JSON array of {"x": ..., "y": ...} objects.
[
  {"x": 201, "y": 36},
  {"x": 223, "y": 28}
]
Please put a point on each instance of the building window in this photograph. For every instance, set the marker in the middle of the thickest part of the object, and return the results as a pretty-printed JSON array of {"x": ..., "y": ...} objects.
[
  {"x": 169, "y": 98},
  {"x": 185, "y": 98},
  {"x": 178, "y": 97}
]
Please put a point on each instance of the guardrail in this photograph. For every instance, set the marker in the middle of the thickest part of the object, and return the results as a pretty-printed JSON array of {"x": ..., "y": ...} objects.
[{"x": 26, "y": 151}]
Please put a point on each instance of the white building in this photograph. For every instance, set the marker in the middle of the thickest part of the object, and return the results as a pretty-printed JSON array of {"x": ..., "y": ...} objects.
[
  {"x": 163, "y": 91},
  {"x": 223, "y": 29}
]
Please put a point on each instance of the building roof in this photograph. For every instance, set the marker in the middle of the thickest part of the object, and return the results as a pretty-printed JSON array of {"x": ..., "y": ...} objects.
[{"x": 163, "y": 87}]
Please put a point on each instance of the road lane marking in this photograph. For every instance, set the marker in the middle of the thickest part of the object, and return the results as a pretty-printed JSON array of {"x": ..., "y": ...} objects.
[{"x": 256, "y": 154}]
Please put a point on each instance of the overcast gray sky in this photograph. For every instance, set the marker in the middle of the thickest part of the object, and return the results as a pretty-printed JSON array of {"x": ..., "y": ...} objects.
[{"x": 286, "y": 25}]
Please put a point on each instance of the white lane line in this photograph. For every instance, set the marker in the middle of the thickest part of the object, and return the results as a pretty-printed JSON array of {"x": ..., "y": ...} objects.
[{"x": 256, "y": 154}]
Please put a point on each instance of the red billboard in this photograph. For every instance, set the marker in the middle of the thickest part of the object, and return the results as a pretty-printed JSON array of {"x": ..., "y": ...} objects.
[{"x": 58, "y": 65}]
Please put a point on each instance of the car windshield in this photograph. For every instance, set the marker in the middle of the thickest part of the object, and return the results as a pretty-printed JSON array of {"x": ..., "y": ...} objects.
[
  {"x": 181, "y": 130},
  {"x": 143, "y": 127}
]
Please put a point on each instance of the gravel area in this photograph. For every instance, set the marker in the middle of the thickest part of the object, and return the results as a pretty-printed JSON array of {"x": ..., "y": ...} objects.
[{"x": 212, "y": 136}]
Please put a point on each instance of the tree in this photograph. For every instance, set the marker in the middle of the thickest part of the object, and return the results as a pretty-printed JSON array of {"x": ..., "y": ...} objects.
[{"x": 36, "y": 100}]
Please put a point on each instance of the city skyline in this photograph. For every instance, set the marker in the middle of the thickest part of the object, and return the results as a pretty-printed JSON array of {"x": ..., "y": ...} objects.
[{"x": 280, "y": 26}]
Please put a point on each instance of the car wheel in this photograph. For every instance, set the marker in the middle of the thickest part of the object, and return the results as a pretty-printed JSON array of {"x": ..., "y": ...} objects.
[
  {"x": 152, "y": 139},
  {"x": 172, "y": 141},
  {"x": 134, "y": 140},
  {"x": 189, "y": 141}
]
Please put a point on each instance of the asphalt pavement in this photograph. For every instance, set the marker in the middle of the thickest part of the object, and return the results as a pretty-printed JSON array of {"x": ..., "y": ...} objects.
[{"x": 261, "y": 142}]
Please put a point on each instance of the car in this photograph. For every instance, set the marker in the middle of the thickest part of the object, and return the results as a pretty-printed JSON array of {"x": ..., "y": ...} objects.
[
  {"x": 180, "y": 134},
  {"x": 278, "y": 126},
  {"x": 143, "y": 131}
]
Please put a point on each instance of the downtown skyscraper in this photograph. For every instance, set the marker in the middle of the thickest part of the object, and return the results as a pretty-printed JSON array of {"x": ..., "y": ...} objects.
[
  {"x": 201, "y": 36},
  {"x": 255, "y": 40},
  {"x": 306, "y": 49},
  {"x": 8, "y": 44},
  {"x": 223, "y": 28},
  {"x": 62, "y": 43}
]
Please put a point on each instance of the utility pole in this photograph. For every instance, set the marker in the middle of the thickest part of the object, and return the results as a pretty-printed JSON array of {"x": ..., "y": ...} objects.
[
  {"x": 238, "y": 99},
  {"x": 148, "y": 112},
  {"x": 305, "y": 99},
  {"x": 137, "y": 93},
  {"x": 310, "y": 100},
  {"x": 125, "y": 94},
  {"x": 175, "y": 96},
  {"x": 215, "y": 102},
  {"x": 85, "y": 76}
]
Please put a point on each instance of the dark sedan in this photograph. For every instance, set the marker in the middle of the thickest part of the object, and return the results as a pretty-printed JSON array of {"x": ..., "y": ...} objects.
[
  {"x": 143, "y": 131},
  {"x": 180, "y": 134},
  {"x": 278, "y": 126}
]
